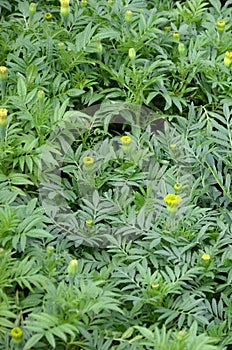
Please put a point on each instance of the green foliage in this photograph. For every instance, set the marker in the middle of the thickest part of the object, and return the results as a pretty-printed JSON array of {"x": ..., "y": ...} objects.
[{"x": 147, "y": 275}]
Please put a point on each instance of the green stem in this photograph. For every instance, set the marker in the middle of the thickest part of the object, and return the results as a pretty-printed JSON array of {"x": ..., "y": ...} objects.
[
  {"x": 2, "y": 133},
  {"x": 3, "y": 88}
]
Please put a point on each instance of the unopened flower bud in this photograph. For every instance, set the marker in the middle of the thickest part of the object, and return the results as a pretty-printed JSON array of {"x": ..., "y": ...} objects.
[
  {"x": 126, "y": 142},
  {"x": 65, "y": 11},
  {"x": 3, "y": 116},
  {"x": 64, "y": 3},
  {"x": 40, "y": 94},
  {"x": 88, "y": 162},
  {"x": 173, "y": 146},
  {"x": 17, "y": 335},
  {"x": 3, "y": 73},
  {"x": 32, "y": 8},
  {"x": 50, "y": 250},
  {"x": 181, "y": 335},
  {"x": 206, "y": 257},
  {"x": 89, "y": 222},
  {"x": 48, "y": 16},
  {"x": 83, "y": 3},
  {"x": 167, "y": 28},
  {"x": 228, "y": 58},
  {"x": 128, "y": 16},
  {"x": 176, "y": 35},
  {"x": 72, "y": 267},
  {"x": 178, "y": 187},
  {"x": 132, "y": 53},
  {"x": 61, "y": 46},
  {"x": 181, "y": 48},
  {"x": 220, "y": 26}
]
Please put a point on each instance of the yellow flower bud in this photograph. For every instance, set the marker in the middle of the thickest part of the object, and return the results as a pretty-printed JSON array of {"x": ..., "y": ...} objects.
[
  {"x": 83, "y": 3},
  {"x": 3, "y": 73},
  {"x": 17, "y": 335},
  {"x": 89, "y": 222},
  {"x": 220, "y": 26},
  {"x": 173, "y": 146},
  {"x": 48, "y": 16},
  {"x": 126, "y": 140},
  {"x": 72, "y": 267},
  {"x": 167, "y": 28},
  {"x": 228, "y": 54},
  {"x": 128, "y": 16},
  {"x": 88, "y": 161},
  {"x": 132, "y": 53},
  {"x": 176, "y": 35},
  {"x": 205, "y": 257},
  {"x": 64, "y": 3},
  {"x": 177, "y": 187},
  {"x": 228, "y": 58},
  {"x": 155, "y": 285},
  {"x": 3, "y": 116}
]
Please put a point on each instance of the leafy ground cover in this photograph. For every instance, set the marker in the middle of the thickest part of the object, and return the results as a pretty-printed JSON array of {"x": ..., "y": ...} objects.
[{"x": 115, "y": 178}]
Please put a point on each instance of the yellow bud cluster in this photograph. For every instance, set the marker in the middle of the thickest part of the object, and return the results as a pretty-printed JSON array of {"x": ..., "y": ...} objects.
[{"x": 172, "y": 200}]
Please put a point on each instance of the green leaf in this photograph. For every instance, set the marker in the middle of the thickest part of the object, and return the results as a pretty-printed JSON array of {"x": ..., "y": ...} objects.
[
  {"x": 19, "y": 179},
  {"x": 21, "y": 86},
  {"x": 50, "y": 338},
  {"x": 33, "y": 341},
  {"x": 75, "y": 92},
  {"x": 146, "y": 333}
]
